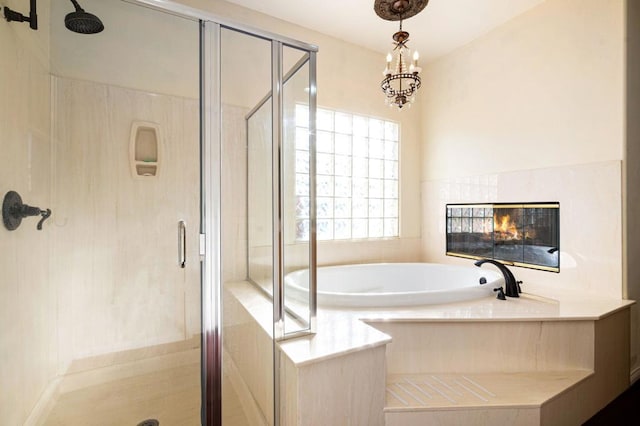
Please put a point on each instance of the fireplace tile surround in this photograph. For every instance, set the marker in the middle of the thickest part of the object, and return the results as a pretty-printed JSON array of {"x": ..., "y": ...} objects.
[{"x": 591, "y": 199}]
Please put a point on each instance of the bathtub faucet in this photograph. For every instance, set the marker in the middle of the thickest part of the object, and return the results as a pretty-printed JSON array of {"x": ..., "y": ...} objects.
[{"x": 512, "y": 287}]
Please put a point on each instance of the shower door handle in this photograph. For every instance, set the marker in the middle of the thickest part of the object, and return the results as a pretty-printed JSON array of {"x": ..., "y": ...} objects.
[{"x": 182, "y": 244}]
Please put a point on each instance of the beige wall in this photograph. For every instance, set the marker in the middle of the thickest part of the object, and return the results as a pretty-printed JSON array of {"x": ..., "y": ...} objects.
[
  {"x": 545, "y": 89},
  {"x": 535, "y": 111},
  {"x": 27, "y": 297}
]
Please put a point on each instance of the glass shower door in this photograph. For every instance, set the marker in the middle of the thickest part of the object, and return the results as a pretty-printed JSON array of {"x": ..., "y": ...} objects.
[{"x": 125, "y": 262}]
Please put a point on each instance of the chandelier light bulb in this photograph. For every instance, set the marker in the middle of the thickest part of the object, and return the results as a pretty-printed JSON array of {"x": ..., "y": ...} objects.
[
  {"x": 387, "y": 70},
  {"x": 414, "y": 67}
]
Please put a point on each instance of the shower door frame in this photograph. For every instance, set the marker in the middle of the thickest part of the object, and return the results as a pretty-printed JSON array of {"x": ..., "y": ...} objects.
[{"x": 211, "y": 187}]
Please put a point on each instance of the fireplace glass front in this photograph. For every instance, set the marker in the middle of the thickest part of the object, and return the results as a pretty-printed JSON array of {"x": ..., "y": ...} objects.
[{"x": 525, "y": 235}]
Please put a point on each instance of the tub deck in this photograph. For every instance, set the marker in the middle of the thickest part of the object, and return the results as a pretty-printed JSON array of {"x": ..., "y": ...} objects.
[{"x": 550, "y": 360}]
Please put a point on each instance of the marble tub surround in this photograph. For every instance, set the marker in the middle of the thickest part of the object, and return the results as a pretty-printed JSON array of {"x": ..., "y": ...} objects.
[
  {"x": 349, "y": 356},
  {"x": 488, "y": 347},
  {"x": 342, "y": 331},
  {"x": 339, "y": 332},
  {"x": 561, "y": 381},
  {"x": 248, "y": 356},
  {"x": 350, "y": 388},
  {"x": 575, "y": 344},
  {"x": 343, "y": 366}
]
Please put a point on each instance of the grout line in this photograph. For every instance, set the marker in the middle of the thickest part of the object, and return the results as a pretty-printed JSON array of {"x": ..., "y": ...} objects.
[
  {"x": 482, "y": 398},
  {"x": 396, "y": 396},
  {"x": 444, "y": 384},
  {"x": 411, "y": 394},
  {"x": 425, "y": 393},
  {"x": 479, "y": 386},
  {"x": 440, "y": 392}
]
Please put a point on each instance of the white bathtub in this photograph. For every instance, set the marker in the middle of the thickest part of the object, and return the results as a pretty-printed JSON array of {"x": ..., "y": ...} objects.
[{"x": 394, "y": 284}]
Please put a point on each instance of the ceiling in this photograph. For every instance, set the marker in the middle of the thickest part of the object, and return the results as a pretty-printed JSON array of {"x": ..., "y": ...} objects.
[{"x": 441, "y": 27}]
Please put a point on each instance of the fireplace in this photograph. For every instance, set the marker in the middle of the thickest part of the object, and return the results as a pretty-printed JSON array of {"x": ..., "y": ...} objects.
[{"x": 525, "y": 235}]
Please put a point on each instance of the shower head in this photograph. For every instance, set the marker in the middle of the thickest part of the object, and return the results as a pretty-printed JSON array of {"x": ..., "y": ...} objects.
[{"x": 82, "y": 22}]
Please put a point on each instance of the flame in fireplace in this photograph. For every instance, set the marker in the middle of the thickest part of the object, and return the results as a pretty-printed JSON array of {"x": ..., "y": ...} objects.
[{"x": 505, "y": 228}]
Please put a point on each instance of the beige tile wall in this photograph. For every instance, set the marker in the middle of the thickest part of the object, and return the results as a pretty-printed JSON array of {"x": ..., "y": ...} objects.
[
  {"x": 115, "y": 237},
  {"x": 27, "y": 296}
]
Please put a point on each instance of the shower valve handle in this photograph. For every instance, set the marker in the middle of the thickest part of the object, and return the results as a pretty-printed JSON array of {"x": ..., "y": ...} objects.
[{"x": 45, "y": 215}]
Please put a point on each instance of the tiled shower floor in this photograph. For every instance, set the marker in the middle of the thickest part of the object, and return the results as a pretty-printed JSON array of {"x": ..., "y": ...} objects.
[{"x": 167, "y": 390}]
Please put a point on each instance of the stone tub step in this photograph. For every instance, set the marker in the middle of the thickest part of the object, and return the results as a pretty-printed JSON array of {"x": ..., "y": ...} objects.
[{"x": 515, "y": 398}]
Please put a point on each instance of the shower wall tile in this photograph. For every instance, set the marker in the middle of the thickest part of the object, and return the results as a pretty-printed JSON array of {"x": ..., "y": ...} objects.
[
  {"x": 115, "y": 237},
  {"x": 590, "y": 197},
  {"x": 27, "y": 299}
]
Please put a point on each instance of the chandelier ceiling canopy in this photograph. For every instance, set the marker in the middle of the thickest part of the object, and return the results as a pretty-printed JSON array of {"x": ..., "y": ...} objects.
[{"x": 397, "y": 10}]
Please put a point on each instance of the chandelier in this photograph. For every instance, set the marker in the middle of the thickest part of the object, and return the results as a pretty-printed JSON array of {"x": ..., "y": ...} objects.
[{"x": 401, "y": 82}]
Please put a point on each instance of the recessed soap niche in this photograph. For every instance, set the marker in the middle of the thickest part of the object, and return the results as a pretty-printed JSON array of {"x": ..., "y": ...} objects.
[
  {"x": 144, "y": 149},
  {"x": 519, "y": 234}
]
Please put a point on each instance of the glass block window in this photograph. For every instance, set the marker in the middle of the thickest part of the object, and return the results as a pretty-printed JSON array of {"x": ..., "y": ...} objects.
[{"x": 356, "y": 176}]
